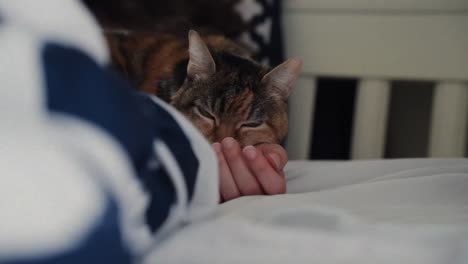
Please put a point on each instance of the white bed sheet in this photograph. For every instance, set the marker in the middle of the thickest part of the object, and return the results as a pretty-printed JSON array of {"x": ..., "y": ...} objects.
[{"x": 385, "y": 211}]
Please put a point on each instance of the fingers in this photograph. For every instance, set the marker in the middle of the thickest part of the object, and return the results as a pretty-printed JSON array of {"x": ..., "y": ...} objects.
[
  {"x": 228, "y": 187},
  {"x": 251, "y": 171},
  {"x": 271, "y": 180},
  {"x": 244, "y": 179}
]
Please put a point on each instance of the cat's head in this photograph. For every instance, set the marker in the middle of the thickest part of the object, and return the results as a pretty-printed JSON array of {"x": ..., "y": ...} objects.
[{"x": 226, "y": 95}]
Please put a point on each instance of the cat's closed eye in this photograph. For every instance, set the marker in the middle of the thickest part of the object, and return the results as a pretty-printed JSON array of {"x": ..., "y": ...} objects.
[
  {"x": 252, "y": 124},
  {"x": 204, "y": 113}
]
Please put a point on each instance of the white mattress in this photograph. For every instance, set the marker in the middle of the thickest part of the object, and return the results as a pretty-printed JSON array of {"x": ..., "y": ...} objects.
[{"x": 391, "y": 211}]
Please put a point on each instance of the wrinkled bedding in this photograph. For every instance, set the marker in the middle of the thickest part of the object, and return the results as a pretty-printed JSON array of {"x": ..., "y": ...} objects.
[{"x": 391, "y": 211}]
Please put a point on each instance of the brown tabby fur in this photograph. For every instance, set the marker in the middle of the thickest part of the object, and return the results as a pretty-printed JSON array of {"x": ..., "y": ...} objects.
[
  {"x": 149, "y": 58},
  {"x": 210, "y": 79},
  {"x": 235, "y": 101}
]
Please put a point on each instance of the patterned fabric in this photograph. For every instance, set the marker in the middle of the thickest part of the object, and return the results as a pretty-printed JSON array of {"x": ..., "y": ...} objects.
[
  {"x": 91, "y": 170},
  {"x": 264, "y": 37}
]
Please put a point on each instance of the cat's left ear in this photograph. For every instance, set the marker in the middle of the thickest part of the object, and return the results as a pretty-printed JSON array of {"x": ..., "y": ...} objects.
[
  {"x": 282, "y": 77},
  {"x": 201, "y": 64}
]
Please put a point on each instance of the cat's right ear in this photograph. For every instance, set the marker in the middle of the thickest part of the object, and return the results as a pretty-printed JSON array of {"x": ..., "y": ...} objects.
[
  {"x": 282, "y": 77},
  {"x": 201, "y": 64}
]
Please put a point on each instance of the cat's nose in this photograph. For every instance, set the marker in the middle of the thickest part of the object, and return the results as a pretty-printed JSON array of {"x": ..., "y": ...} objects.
[{"x": 222, "y": 133}]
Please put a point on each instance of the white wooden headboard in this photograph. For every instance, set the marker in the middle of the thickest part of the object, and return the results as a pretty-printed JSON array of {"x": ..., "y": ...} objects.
[{"x": 379, "y": 41}]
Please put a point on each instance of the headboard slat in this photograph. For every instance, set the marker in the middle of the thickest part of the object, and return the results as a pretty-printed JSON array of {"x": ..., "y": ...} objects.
[
  {"x": 370, "y": 119},
  {"x": 449, "y": 120}
]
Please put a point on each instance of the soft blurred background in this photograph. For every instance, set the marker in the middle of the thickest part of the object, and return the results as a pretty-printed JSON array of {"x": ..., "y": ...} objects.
[{"x": 381, "y": 78}]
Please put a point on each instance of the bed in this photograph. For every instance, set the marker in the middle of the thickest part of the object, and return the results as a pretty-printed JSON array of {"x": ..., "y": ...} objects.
[{"x": 369, "y": 209}]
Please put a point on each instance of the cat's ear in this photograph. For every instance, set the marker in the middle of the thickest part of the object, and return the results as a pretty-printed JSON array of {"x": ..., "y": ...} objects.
[
  {"x": 282, "y": 77},
  {"x": 201, "y": 64}
]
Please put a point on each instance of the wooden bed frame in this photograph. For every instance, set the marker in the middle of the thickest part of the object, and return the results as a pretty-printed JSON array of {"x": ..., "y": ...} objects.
[{"x": 380, "y": 41}]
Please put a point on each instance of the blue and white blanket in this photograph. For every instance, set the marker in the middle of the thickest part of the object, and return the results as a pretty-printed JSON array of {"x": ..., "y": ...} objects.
[{"x": 90, "y": 171}]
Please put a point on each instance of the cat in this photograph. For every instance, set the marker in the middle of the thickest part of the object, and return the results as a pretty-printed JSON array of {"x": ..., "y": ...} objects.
[
  {"x": 212, "y": 81},
  {"x": 208, "y": 77}
]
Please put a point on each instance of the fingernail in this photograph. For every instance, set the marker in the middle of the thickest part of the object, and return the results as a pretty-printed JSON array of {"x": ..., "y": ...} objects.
[
  {"x": 217, "y": 146},
  {"x": 228, "y": 143},
  {"x": 276, "y": 159},
  {"x": 250, "y": 152}
]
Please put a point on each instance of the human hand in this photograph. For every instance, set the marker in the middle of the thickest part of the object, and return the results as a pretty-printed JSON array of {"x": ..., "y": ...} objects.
[{"x": 250, "y": 171}]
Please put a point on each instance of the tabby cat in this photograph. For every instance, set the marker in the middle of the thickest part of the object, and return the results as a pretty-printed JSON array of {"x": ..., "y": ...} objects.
[
  {"x": 209, "y": 78},
  {"x": 212, "y": 81}
]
